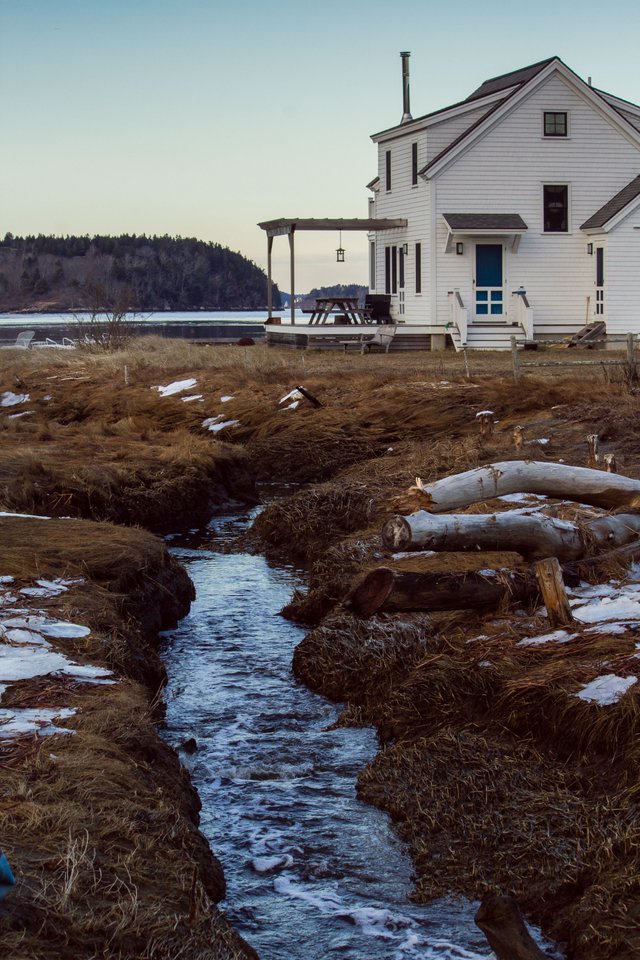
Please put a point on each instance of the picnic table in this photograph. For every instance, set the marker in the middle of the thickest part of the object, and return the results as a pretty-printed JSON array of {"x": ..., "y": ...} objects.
[{"x": 339, "y": 310}]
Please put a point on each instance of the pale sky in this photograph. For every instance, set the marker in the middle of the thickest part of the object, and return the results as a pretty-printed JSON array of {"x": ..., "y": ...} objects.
[{"x": 202, "y": 117}]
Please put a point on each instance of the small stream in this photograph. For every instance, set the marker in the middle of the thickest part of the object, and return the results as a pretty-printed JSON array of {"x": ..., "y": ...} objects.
[{"x": 311, "y": 872}]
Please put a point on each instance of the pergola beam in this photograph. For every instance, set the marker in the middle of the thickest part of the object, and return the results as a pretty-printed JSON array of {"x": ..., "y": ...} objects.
[{"x": 279, "y": 228}]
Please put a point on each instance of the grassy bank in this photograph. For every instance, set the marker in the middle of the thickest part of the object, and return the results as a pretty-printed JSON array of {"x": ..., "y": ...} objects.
[
  {"x": 98, "y": 820},
  {"x": 494, "y": 772}
]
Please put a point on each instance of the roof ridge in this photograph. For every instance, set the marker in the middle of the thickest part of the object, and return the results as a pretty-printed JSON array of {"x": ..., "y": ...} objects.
[{"x": 530, "y": 66}]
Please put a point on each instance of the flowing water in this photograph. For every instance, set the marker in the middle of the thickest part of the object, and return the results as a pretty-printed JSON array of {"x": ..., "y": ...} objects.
[{"x": 311, "y": 872}]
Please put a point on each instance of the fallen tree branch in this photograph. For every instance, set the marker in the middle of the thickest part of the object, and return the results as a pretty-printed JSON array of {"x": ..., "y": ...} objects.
[
  {"x": 580, "y": 484},
  {"x": 533, "y": 536}
]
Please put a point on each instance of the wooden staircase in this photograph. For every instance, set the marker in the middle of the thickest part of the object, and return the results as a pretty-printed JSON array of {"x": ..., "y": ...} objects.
[
  {"x": 589, "y": 334},
  {"x": 493, "y": 336}
]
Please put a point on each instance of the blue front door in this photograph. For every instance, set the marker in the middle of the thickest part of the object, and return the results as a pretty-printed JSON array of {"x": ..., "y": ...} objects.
[{"x": 489, "y": 281}]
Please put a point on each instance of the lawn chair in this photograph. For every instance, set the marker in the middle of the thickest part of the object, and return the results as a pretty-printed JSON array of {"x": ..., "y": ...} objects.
[{"x": 23, "y": 341}]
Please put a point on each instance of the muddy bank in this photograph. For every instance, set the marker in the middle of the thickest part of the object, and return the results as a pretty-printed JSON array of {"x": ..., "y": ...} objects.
[{"x": 99, "y": 823}]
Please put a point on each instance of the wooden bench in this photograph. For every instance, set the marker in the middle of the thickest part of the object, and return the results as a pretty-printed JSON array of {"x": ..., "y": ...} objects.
[{"x": 372, "y": 337}]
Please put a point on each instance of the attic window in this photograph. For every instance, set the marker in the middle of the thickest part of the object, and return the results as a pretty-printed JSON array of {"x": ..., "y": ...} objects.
[{"x": 555, "y": 124}]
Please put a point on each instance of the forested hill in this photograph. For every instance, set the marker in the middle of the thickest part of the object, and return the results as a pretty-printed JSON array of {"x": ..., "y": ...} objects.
[
  {"x": 339, "y": 290},
  {"x": 156, "y": 273}
]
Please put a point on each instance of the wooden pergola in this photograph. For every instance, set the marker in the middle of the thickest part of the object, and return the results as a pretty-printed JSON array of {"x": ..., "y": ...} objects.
[{"x": 288, "y": 227}]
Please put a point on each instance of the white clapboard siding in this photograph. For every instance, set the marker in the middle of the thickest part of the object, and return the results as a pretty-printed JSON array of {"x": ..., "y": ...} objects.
[
  {"x": 440, "y": 135},
  {"x": 504, "y": 172},
  {"x": 411, "y": 202},
  {"x": 622, "y": 276}
]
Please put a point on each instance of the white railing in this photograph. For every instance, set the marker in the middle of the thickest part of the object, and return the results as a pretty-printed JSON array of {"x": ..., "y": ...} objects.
[
  {"x": 523, "y": 312},
  {"x": 459, "y": 318}
]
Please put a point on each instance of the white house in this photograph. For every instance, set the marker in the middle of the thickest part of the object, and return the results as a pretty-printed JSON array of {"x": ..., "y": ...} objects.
[{"x": 522, "y": 210}]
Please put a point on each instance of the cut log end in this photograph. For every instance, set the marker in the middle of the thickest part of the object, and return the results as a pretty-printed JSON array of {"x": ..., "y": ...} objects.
[
  {"x": 396, "y": 534},
  {"x": 368, "y": 596}
]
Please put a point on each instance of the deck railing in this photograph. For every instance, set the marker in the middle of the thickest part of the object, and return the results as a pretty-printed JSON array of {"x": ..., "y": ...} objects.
[
  {"x": 459, "y": 318},
  {"x": 523, "y": 312}
]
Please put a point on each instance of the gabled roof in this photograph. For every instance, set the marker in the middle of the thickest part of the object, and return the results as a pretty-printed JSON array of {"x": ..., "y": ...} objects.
[
  {"x": 373, "y": 183},
  {"x": 534, "y": 75},
  {"x": 435, "y": 116},
  {"x": 614, "y": 206},
  {"x": 506, "y": 80},
  {"x": 489, "y": 88}
]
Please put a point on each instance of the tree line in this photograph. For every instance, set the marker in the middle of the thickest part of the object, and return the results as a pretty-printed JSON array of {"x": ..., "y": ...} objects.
[{"x": 159, "y": 273}]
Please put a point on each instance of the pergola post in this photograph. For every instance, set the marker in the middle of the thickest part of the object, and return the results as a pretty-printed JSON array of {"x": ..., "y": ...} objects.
[
  {"x": 269, "y": 280},
  {"x": 292, "y": 266}
]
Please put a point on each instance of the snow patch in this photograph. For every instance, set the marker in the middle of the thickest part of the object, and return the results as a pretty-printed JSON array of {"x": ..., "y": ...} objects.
[
  {"x": 226, "y": 398},
  {"x": 10, "y": 399},
  {"x": 194, "y": 396},
  {"x": 620, "y": 608},
  {"x": 225, "y": 424},
  {"x": 27, "y": 721},
  {"x": 292, "y": 395},
  {"x": 556, "y": 636},
  {"x": 176, "y": 387},
  {"x": 606, "y": 690}
]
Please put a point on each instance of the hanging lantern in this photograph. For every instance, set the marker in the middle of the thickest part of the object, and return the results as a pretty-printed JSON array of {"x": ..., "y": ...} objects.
[{"x": 340, "y": 251}]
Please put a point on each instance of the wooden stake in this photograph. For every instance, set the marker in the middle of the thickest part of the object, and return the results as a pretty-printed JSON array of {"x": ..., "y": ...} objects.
[
  {"x": 485, "y": 419},
  {"x": 310, "y": 397},
  {"x": 594, "y": 456},
  {"x": 466, "y": 364},
  {"x": 553, "y": 592},
  {"x": 632, "y": 373},
  {"x": 518, "y": 437},
  {"x": 517, "y": 373},
  {"x": 610, "y": 462}
]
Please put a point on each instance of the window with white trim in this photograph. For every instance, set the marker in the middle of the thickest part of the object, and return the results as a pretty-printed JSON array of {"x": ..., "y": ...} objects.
[{"x": 555, "y": 123}]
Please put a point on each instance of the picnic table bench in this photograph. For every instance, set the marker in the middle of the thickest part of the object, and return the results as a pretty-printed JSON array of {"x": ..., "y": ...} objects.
[{"x": 381, "y": 337}]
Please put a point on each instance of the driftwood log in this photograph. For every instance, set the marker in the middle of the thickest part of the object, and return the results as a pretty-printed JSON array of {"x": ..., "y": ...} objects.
[
  {"x": 395, "y": 591},
  {"x": 557, "y": 480},
  {"x": 533, "y": 536},
  {"x": 500, "y": 920}
]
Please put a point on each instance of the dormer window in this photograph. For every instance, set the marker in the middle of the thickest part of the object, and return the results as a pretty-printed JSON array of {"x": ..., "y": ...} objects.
[{"x": 555, "y": 123}]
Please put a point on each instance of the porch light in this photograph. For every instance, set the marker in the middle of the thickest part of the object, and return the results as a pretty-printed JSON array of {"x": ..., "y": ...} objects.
[
  {"x": 590, "y": 249},
  {"x": 459, "y": 248},
  {"x": 405, "y": 249},
  {"x": 340, "y": 251}
]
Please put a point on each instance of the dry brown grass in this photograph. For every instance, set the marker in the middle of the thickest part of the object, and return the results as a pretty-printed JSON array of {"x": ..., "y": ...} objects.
[
  {"x": 478, "y": 798},
  {"x": 100, "y": 826},
  {"x": 482, "y": 813},
  {"x": 112, "y": 872}
]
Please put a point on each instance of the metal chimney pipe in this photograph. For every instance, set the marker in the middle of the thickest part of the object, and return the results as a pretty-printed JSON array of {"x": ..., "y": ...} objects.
[{"x": 406, "y": 110}]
